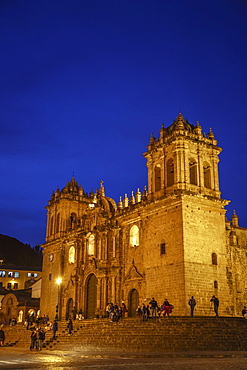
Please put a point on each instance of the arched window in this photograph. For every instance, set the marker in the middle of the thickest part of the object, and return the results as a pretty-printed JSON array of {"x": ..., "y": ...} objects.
[
  {"x": 72, "y": 255},
  {"x": 207, "y": 175},
  {"x": 214, "y": 259},
  {"x": 170, "y": 172},
  {"x": 134, "y": 236},
  {"x": 91, "y": 245},
  {"x": 215, "y": 284},
  {"x": 193, "y": 172},
  {"x": 157, "y": 177}
]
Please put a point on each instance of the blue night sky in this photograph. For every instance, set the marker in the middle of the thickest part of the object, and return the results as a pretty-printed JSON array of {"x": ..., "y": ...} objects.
[{"x": 85, "y": 82}]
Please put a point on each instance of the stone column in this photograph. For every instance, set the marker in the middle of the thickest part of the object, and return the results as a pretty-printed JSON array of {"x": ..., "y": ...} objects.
[
  {"x": 113, "y": 289},
  {"x": 100, "y": 248},
  {"x": 114, "y": 246},
  {"x": 106, "y": 247}
]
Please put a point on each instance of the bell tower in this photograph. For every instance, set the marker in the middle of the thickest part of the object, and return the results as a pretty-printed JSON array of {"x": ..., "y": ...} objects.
[{"x": 183, "y": 159}]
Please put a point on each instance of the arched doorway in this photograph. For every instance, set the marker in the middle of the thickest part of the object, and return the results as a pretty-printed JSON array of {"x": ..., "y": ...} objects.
[
  {"x": 69, "y": 308},
  {"x": 91, "y": 301},
  {"x": 133, "y": 302}
]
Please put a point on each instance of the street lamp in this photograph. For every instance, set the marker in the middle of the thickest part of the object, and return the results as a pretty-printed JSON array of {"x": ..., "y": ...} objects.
[{"x": 58, "y": 281}]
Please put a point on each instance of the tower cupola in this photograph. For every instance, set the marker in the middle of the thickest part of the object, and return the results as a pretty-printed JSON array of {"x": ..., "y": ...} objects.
[{"x": 183, "y": 159}]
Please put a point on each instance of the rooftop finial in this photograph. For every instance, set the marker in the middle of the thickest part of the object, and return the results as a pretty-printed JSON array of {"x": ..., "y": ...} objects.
[
  {"x": 126, "y": 201},
  {"x": 120, "y": 203},
  {"x": 102, "y": 189},
  {"x": 234, "y": 219},
  {"x": 211, "y": 134}
]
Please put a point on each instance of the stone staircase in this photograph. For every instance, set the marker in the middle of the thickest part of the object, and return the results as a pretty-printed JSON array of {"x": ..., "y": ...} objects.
[
  {"x": 161, "y": 334},
  {"x": 16, "y": 336}
]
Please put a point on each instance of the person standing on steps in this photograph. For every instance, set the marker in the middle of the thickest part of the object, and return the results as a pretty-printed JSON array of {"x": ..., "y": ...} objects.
[
  {"x": 153, "y": 307},
  {"x": 74, "y": 312},
  {"x": 54, "y": 328},
  {"x": 192, "y": 303},
  {"x": 41, "y": 339},
  {"x": 33, "y": 339},
  {"x": 123, "y": 309},
  {"x": 216, "y": 303},
  {"x": 144, "y": 312},
  {"x": 70, "y": 326},
  {"x": 166, "y": 308}
]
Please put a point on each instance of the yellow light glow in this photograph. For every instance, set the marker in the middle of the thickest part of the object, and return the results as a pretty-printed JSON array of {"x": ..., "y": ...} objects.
[{"x": 58, "y": 281}]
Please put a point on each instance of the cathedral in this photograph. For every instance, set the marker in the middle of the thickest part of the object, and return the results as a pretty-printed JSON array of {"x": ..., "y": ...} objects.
[{"x": 170, "y": 240}]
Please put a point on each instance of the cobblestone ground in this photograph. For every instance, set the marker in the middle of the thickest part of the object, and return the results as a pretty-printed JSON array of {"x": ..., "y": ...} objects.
[{"x": 19, "y": 360}]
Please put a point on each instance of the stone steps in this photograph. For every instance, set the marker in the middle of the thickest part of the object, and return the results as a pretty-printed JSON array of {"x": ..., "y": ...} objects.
[
  {"x": 16, "y": 335},
  {"x": 169, "y": 333}
]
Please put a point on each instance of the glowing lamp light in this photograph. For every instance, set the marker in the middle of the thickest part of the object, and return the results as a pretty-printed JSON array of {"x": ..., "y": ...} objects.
[{"x": 58, "y": 281}]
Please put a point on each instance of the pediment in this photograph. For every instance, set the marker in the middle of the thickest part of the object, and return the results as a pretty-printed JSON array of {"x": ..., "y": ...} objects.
[{"x": 133, "y": 273}]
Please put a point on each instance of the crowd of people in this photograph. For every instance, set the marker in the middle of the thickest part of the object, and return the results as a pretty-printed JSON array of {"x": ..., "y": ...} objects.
[
  {"x": 38, "y": 325},
  {"x": 38, "y": 329},
  {"x": 153, "y": 310},
  {"x": 115, "y": 312}
]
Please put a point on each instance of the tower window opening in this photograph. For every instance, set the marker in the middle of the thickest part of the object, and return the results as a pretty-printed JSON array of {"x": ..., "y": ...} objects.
[
  {"x": 72, "y": 255},
  {"x": 91, "y": 244},
  {"x": 51, "y": 226},
  {"x": 73, "y": 219},
  {"x": 57, "y": 225},
  {"x": 134, "y": 236},
  {"x": 157, "y": 174},
  {"x": 163, "y": 248},
  {"x": 193, "y": 172},
  {"x": 207, "y": 176},
  {"x": 215, "y": 284},
  {"x": 170, "y": 172},
  {"x": 214, "y": 259}
]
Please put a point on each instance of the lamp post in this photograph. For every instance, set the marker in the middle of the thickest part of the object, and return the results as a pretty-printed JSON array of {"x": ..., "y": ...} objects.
[{"x": 58, "y": 281}]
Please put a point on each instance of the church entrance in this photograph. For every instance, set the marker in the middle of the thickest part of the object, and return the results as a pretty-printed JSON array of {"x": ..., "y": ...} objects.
[
  {"x": 133, "y": 302},
  {"x": 69, "y": 308},
  {"x": 91, "y": 297}
]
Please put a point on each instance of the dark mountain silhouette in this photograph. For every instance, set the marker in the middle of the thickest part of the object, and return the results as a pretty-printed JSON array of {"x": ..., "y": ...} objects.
[{"x": 15, "y": 253}]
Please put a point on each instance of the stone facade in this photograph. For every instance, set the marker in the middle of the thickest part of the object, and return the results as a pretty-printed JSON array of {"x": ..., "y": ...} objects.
[{"x": 170, "y": 241}]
